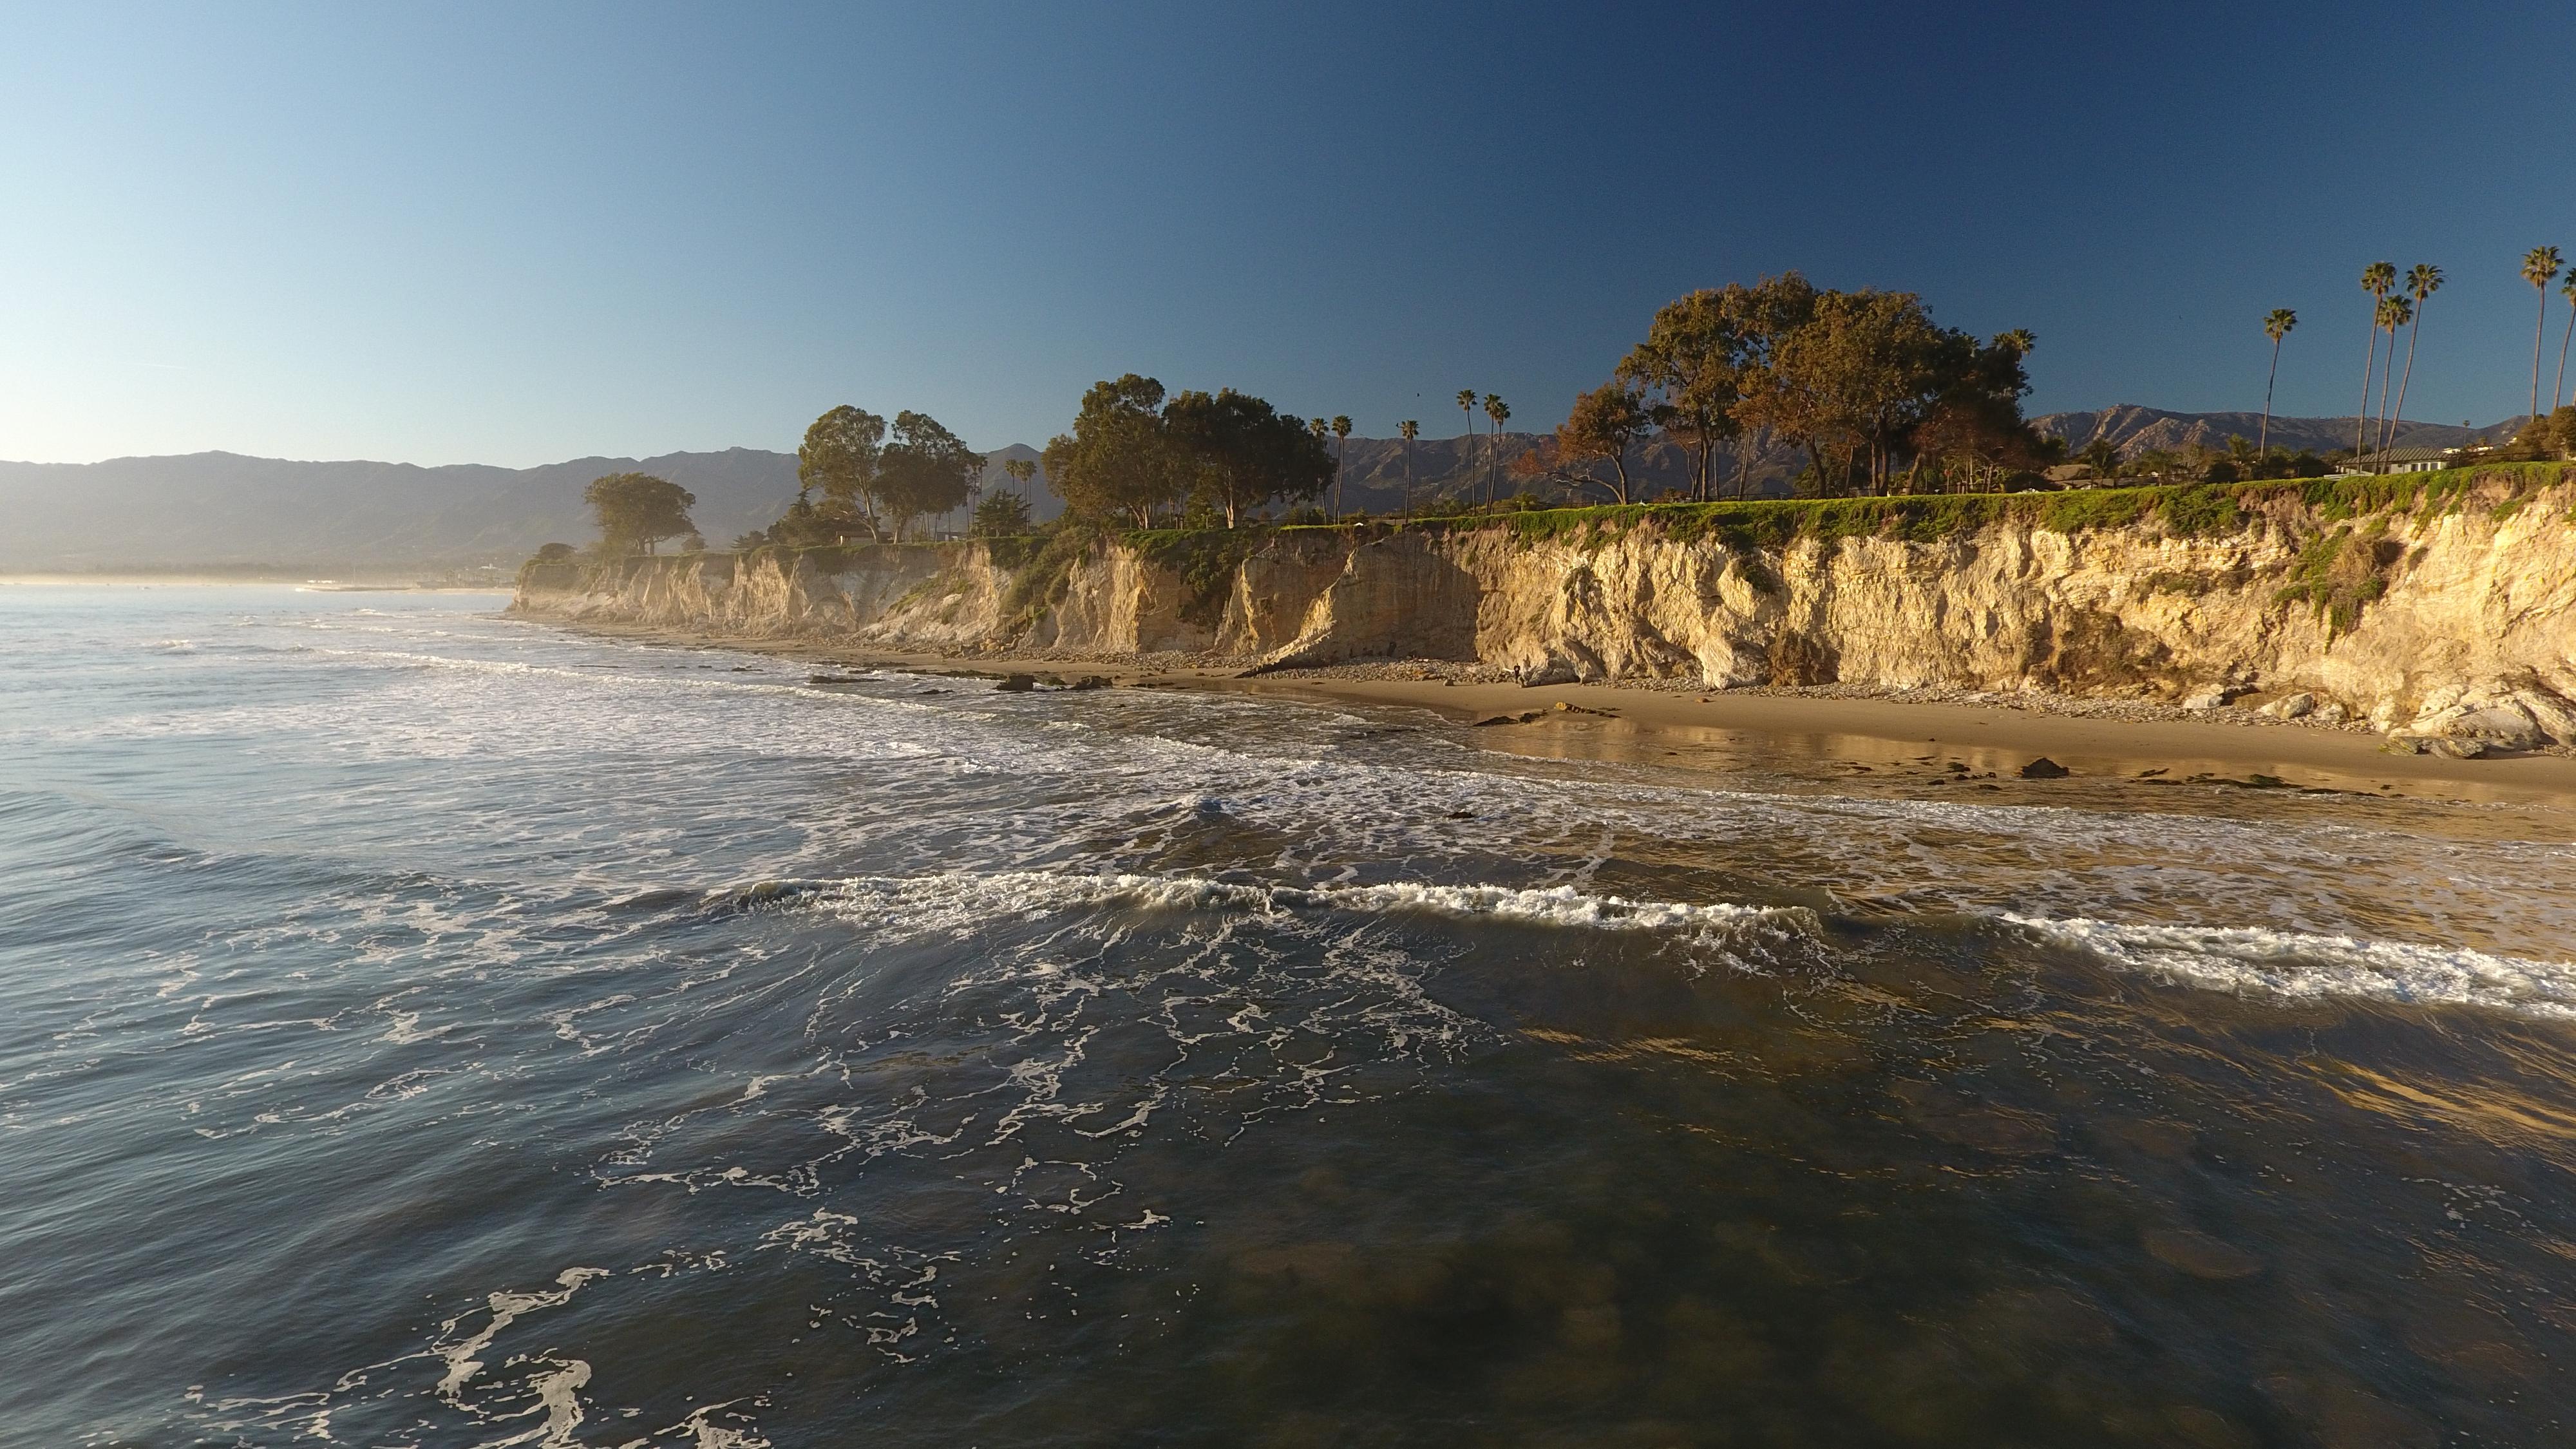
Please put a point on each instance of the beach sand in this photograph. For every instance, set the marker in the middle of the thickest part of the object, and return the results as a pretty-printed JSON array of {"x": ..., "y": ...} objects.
[{"x": 1891, "y": 738}]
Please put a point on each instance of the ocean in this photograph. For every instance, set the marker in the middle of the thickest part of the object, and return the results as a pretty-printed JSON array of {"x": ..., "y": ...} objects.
[{"x": 424, "y": 1028}]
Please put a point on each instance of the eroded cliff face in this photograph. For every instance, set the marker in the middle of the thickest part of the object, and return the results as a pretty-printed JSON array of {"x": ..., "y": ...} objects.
[{"x": 2452, "y": 617}]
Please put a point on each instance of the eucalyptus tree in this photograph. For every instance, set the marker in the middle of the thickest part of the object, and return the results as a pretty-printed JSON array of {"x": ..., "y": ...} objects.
[
  {"x": 926, "y": 471},
  {"x": 1602, "y": 426},
  {"x": 1241, "y": 453},
  {"x": 1409, "y": 429},
  {"x": 1501, "y": 412},
  {"x": 2539, "y": 267},
  {"x": 638, "y": 509},
  {"x": 2376, "y": 279},
  {"x": 2276, "y": 325},
  {"x": 2422, "y": 280},
  {"x": 1694, "y": 359},
  {"x": 1117, "y": 460},
  {"x": 840, "y": 456}
]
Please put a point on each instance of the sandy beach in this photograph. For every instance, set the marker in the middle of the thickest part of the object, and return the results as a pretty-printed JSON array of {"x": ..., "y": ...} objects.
[{"x": 1936, "y": 745}]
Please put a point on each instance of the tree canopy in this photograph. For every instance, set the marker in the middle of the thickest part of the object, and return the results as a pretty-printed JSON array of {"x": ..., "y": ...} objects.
[
  {"x": 839, "y": 458},
  {"x": 1241, "y": 453},
  {"x": 925, "y": 469},
  {"x": 637, "y": 510},
  {"x": 1132, "y": 455},
  {"x": 1116, "y": 461}
]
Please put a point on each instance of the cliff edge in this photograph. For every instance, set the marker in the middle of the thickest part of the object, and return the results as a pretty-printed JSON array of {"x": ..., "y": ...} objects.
[{"x": 2438, "y": 607}]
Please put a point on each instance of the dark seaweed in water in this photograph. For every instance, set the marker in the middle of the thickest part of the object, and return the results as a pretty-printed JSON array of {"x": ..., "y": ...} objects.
[{"x": 419, "y": 1029}]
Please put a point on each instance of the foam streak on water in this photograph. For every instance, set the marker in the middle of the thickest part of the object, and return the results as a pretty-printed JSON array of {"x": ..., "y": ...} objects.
[{"x": 421, "y": 1028}]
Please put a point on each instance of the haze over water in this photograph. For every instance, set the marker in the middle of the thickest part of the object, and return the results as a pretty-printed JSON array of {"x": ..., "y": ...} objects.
[{"x": 420, "y": 1028}]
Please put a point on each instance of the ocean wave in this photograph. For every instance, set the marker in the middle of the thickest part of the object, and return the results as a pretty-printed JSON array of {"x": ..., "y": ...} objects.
[
  {"x": 2242, "y": 959},
  {"x": 957, "y": 901},
  {"x": 2251, "y": 959}
]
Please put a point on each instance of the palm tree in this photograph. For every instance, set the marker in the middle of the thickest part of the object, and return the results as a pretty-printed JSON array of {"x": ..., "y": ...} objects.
[
  {"x": 2567, "y": 290},
  {"x": 1408, "y": 430},
  {"x": 2376, "y": 279},
  {"x": 2539, "y": 266},
  {"x": 1499, "y": 411},
  {"x": 2391, "y": 314},
  {"x": 1342, "y": 439},
  {"x": 2422, "y": 280},
  {"x": 2276, "y": 325},
  {"x": 1467, "y": 405},
  {"x": 1021, "y": 471}
]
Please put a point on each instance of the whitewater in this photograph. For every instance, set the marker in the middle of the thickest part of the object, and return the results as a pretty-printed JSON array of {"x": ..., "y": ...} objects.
[{"x": 424, "y": 1028}]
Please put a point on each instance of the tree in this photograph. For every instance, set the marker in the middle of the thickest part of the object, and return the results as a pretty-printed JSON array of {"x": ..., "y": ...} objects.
[
  {"x": 839, "y": 457},
  {"x": 2376, "y": 279},
  {"x": 1341, "y": 455},
  {"x": 1602, "y": 426},
  {"x": 1242, "y": 454},
  {"x": 2102, "y": 456},
  {"x": 2539, "y": 266},
  {"x": 1021, "y": 471},
  {"x": 2276, "y": 325},
  {"x": 1976, "y": 416},
  {"x": 1467, "y": 454},
  {"x": 925, "y": 470},
  {"x": 1501, "y": 412},
  {"x": 2422, "y": 280},
  {"x": 1002, "y": 515},
  {"x": 2391, "y": 314},
  {"x": 1409, "y": 430},
  {"x": 2559, "y": 389},
  {"x": 1116, "y": 460},
  {"x": 638, "y": 509},
  {"x": 1769, "y": 311},
  {"x": 750, "y": 539},
  {"x": 1857, "y": 379},
  {"x": 1694, "y": 359}
]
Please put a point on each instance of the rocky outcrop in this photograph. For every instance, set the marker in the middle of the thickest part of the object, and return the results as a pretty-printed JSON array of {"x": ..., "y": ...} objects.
[{"x": 2445, "y": 615}]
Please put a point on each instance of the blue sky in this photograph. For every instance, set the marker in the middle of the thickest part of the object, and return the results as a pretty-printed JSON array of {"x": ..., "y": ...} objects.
[{"x": 517, "y": 234}]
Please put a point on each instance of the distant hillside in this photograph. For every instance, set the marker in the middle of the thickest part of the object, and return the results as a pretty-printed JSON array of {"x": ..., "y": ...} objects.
[
  {"x": 2135, "y": 429},
  {"x": 217, "y": 509},
  {"x": 213, "y": 509}
]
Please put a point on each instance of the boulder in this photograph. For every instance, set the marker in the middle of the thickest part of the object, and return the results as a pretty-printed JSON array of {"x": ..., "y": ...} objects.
[
  {"x": 2205, "y": 699},
  {"x": 2044, "y": 768},
  {"x": 2292, "y": 706},
  {"x": 1018, "y": 683},
  {"x": 2549, "y": 712}
]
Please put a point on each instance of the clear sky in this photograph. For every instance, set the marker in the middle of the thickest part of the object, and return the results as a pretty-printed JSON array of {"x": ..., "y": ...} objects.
[{"x": 522, "y": 233}]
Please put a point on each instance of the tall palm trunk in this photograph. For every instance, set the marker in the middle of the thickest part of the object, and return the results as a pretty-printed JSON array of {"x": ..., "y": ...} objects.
[
  {"x": 2379, "y": 436},
  {"x": 2539, "y": 329},
  {"x": 2263, "y": 435},
  {"x": 2408, "y": 380},
  {"x": 2558, "y": 391},
  {"x": 2370, "y": 364}
]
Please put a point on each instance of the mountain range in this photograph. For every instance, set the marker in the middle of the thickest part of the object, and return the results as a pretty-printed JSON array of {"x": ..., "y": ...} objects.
[{"x": 227, "y": 511}]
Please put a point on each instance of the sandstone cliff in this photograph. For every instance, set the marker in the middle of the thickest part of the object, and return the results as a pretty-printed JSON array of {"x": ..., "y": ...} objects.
[{"x": 2434, "y": 607}]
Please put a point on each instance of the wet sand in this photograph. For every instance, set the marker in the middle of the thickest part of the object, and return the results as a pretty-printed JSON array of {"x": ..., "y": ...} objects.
[{"x": 1718, "y": 727}]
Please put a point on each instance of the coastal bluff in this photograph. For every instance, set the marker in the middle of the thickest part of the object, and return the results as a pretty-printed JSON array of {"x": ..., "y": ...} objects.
[{"x": 2437, "y": 607}]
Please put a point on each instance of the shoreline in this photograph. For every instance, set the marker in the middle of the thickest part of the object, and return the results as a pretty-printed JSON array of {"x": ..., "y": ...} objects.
[{"x": 1661, "y": 722}]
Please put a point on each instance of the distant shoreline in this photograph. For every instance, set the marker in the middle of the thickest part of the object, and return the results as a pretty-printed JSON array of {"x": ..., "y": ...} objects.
[{"x": 197, "y": 580}]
